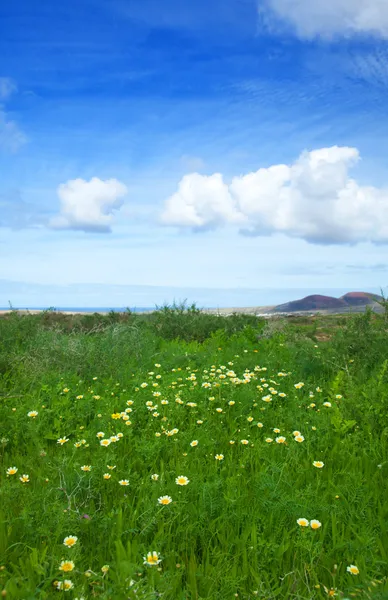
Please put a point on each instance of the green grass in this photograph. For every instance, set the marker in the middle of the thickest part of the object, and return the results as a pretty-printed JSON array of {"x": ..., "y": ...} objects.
[{"x": 232, "y": 531}]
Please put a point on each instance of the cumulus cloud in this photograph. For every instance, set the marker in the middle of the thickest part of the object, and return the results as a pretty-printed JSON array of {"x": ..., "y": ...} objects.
[
  {"x": 88, "y": 205},
  {"x": 314, "y": 199},
  {"x": 327, "y": 18}
]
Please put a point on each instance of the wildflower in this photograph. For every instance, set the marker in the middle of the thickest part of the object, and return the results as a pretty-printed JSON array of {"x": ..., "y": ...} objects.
[
  {"x": 119, "y": 435},
  {"x": 268, "y": 440},
  {"x": 182, "y": 480},
  {"x": 155, "y": 477},
  {"x": 314, "y": 524},
  {"x": 231, "y": 403},
  {"x": 77, "y": 444},
  {"x": 128, "y": 423},
  {"x": 338, "y": 396},
  {"x": 25, "y": 478},
  {"x": 70, "y": 541},
  {"x": 107, "y": 475},
  {"x": 32, "y": 413},
  {"x": 124, "y": 482},
  {"x": 105, "y": 443},
  {"x": 245, "y": 442},
  {"x": 79, "y": 397},
  {"x": 143, "y": 385},
  {"x": 116, "y": 416},
  {"x": 295, "y": 433},
  {"x": 219, "y": 457},
  {"x": 111, "y": 467},
  {"x": 276, "y": 430},
  {"x": 164, "y": 500},
  {"x": 282, "y": 395},
  {"x": 250, "y": 419},
  {"x": 105, "y": 569},
  {"x": 299, "y": 385},
  {"x": 199, "y": 422},
  {"x": 319, "y": 464},
  {"x": 280, "y": 440},
  {"x": 62, "y": 440},
  {"x": 260, "y": 425},
  {"x": 12, "y": 470},
  {"x": 158, "y": 434},
  {"x": 353, "y": 569},
  {"x": 299, "y": 438},
  {"x": 66, "y": 390},
  {"x": 65, "y": 585},
  {"x": 157, "y": 365},
  {"x": 100, "y": 434},
  {"x": 231, "y": 442},
  {"x": 66, "y": 566},
  {"x": 303, "y": 522},
  {"x": 194, "y": 443},
  {"x": 318, "y": 389},
  {"x": 86, "y": 468},
  {"x": 312, "y": 405},
  {"x": 114, "y": 438},
  {"x": 152, "y": 559},
  {"x": 327, "y": 404},
  {"x": 219, "y": 410}
]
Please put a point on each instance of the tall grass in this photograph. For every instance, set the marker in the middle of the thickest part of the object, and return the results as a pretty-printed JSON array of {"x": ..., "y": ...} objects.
[{"x": 232, "y": 531}]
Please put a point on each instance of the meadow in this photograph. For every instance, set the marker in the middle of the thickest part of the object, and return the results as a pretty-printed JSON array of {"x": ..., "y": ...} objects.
[{"x": 187, "y": 456}]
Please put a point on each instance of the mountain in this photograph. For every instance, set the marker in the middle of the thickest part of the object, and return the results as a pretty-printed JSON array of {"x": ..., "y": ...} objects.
[{"x": 318, "y": 302}]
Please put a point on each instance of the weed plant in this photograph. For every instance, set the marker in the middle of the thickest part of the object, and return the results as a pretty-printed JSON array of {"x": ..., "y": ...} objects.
[{"x": 248, "y": 456}]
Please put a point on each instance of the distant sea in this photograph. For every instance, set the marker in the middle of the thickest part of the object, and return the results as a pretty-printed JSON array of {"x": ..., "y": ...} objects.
[{"x": 82, "y": 309}]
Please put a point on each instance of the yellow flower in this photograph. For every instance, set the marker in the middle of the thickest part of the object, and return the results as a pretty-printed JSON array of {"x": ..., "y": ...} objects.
[
  {"x": 105, "y": 569},
  {"x": 280, "y": 440},
  {"x": 219, "y": 457},
  {"x": 100, "y": 434},
  {"x": 152, "y": 559},
  {"x": 327, "y": 404},
  {"x": 268, "y": 440},
  {"x": 116, "y": 416},
  {"x": 124, "y": 482},
  {"x": 232, "y": 442},
  {"x": 155, "y": 477},
  {"x": 32, "y": 413},
  {"x": 70, "y": 541},
  {"x": 182, "y": 480},
  {"x": 295, "y": 433},
  {"x": 319, "y": 464},
  {"x": 107, "y": 475},
  {"x": 66, "y": 565},
  {"x": 260, "y": 425},
  {"x": 86, "y": 468},
  {"x": 314, "y": 524},
  {"x": 194, "y": 443},
  {"x": 299, "y": 438},
  {"x": 79, "y": 397},
  {"x": 231, "y": 403},
  {"x": 353, "y": 569},
  {"x": 244, "y": 442},
  {"x": 250, "y": 419},
  {"x": 25, "y": 479},
  {"x": 65, "y": 585},
  {"x": 111, "y": 467},
  {"x": 299, "y": 385},
  {"x": 66, "y": 390},
  {"x": 199, "y": 422},
  {"x": 105, "y": 442},
  {"x": 62, "y": 440},
  {"x": 164, "y": 500},
  {"x": 219, "y": 410},
  {"x": 303, "y": 522},
  {"x": 276, "y": 430},
  {"x": 12, "y": 470}
]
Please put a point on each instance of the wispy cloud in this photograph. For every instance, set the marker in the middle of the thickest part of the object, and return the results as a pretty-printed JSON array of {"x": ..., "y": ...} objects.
[
  {"x": 11, "y": 136},
  {"x": 7, "y": 87}
]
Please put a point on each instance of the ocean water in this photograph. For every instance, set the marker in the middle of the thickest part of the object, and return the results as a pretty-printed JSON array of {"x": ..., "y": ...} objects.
[{"x": 82, "y": 309}]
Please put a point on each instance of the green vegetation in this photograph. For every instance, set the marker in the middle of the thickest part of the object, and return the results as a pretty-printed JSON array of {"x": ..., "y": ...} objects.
[{"x": 179, "y": 393}]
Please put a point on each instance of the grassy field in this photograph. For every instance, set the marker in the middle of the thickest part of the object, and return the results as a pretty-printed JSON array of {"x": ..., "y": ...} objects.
[{"x": 250, "y": 456}]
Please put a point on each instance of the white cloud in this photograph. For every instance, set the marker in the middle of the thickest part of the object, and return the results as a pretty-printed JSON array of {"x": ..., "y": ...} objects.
[
  {"x": 88, "y": 205},
  {"x": 7, "y": 87},
  {"x": 328, "y": 18},
  {"x": 314, "y": 199}
]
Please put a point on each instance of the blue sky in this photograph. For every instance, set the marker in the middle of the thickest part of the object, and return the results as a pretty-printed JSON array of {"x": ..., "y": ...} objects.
[{"x": 116, "y": 117}]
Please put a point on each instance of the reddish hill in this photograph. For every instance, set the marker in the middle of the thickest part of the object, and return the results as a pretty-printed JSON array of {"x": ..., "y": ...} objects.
[
  {"x": 314, "y": 302},
  {"x": 360, "y": 298}
]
